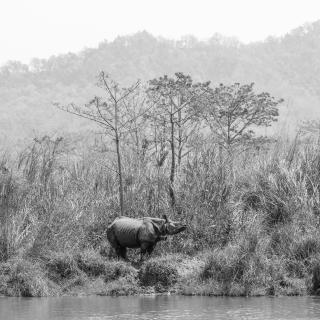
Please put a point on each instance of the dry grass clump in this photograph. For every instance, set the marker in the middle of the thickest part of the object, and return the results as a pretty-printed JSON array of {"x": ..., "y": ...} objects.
[
  {"x": 160, "y": 272},
  {"x": 123, "y": 286},
  {"x": 91, "y": 262},
  {"x": 237, "y": 265},
  {"x": 306, "y": 247},
  {"x": 19, "y": 277},
  {"x": 118, "y": 269},
  {"x": 61, "y": 265}
]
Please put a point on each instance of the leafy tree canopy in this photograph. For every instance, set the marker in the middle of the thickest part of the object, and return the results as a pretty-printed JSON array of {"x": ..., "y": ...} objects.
[{"x": 232, "y": 112}]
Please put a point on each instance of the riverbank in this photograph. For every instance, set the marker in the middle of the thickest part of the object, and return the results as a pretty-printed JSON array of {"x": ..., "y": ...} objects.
[{"x": 232, "y": 271}]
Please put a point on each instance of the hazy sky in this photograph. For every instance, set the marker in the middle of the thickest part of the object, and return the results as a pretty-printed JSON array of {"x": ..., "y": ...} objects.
[{"x": 41, "y": 28}]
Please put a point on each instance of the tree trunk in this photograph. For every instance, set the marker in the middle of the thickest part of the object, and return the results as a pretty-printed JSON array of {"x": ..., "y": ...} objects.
[
  {"x": 173, "y": 164},
  {"x": 119, "y": 174},
  {"x": 179, "y": 139}
]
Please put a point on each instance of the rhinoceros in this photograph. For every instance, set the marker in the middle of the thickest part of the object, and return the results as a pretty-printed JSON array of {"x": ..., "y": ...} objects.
[{"x": 143, "y": 233}]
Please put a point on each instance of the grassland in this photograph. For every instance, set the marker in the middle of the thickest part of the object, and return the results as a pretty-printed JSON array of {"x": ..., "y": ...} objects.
[{"x": 253, "y": 222}]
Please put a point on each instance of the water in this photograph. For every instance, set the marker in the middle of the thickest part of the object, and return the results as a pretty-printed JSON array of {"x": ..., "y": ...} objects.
[{"x": 159, "y": 307}]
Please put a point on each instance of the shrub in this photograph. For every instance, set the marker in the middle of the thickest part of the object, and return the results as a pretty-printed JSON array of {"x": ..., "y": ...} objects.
[
  {"x": 158, "y": 271},
  {"x": 224, "y": 265},
  {"x": 278, "y": 192},
  {"x": 78, "y": 280},
  {"x": 22, "y": 278},
  {"x": 306, "y": 247},
  {"x": 279, "y": 280},
  {"x": 123, "y": 286},
  {"x": 91, "y": 262},
  {"x": 61, "y": 265},
  {"x": 281, "y": 240},
  {"x": 236, "y": 268},
  {"x": 315, "y": 289},
  {"x": 95, "y": 234},
  {"x": 118, "y": 269}
]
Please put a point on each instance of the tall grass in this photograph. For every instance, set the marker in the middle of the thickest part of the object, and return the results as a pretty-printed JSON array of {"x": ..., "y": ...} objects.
[{"x": 262, "y": 210}]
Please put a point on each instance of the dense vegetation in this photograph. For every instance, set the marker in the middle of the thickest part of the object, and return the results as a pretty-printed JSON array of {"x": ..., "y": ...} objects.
[
  {"x": 206, "y": 153},
  {"x": 288, "y": 67},
  {"x": 186, "y": 148}
]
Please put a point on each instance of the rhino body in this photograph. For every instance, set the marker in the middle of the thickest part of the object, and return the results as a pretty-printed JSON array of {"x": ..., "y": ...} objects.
[{"x": 142, "y": 233}]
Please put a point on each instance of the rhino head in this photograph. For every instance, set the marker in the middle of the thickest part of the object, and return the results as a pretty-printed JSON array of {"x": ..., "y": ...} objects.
[{"x": 171, "y": 227}]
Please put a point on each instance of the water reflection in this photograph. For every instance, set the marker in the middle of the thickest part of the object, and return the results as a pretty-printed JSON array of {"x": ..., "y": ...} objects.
[{"x": 160, "y": 307}]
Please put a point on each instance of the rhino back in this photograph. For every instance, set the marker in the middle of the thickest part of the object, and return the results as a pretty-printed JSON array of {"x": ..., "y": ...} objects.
[{"x": 126, "y": 230}]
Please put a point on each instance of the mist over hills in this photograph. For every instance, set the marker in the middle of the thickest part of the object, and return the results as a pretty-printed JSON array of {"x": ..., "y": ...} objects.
[{"x": 287, "y": 67}]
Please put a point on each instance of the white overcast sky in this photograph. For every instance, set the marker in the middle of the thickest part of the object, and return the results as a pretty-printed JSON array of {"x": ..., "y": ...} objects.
[{"x": 41, "y": 28}]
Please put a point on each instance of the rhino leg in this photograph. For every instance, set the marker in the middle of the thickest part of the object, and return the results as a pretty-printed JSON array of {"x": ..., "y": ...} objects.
[
  {"x": 146, "y": 248},
  {"x": 122, "y": 252},
  {"x": 150, "y": 249},
  {"x": 143, "y": 250}
]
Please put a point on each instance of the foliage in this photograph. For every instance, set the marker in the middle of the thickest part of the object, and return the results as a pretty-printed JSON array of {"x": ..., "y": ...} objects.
[
  {"x": 23, "y": 278},
  {"x": 123, "y": 286},
  {"x": 91, "y": 262},
  {"x": 158, "y": 271},
  {"x": 61, "y": 265},
  {"x": 173, "y": 118},
  {"x": 234, "y": 112},
  {"x": 118, "y": 269},
  {"x": 252, "y": 217}
]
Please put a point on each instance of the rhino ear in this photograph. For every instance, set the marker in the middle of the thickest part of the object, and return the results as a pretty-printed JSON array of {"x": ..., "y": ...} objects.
[
  {"x": 165, "y": 218},
  {"x": 157, "y": 227}
]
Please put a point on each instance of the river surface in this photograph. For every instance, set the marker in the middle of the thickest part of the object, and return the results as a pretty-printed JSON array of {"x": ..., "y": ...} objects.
[{"x": 159, "y": 307}]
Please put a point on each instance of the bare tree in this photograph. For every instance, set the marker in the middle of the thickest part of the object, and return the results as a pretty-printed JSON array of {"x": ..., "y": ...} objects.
[{"x": 111, "y": 114}]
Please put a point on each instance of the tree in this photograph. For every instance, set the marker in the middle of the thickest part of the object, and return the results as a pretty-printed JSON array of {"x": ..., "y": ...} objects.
[
  {"x": 174, "y": 116},
  {"x": 234, "y": 112},
  {"x": 111, "y": 114}
]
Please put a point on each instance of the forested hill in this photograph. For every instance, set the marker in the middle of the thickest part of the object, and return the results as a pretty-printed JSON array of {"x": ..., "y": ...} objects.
[{"x": 287, "y": 67}]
